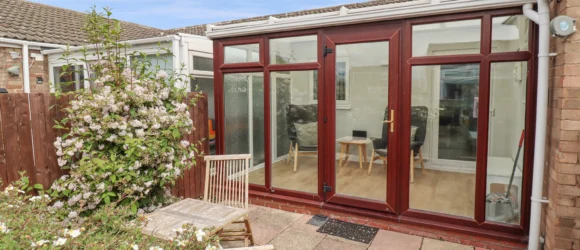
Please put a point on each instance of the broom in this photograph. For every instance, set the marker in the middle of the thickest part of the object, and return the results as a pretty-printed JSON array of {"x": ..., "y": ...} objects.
[{"x": 507, "y": 194}]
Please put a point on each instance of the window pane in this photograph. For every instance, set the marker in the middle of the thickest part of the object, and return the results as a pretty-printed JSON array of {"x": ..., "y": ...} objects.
[
  {"x": 293, "y": 50},
  {"x": 294, "y": 132},
  {"x": 509, "y": 33},
  {"x": 244, "y": 119},
  {"x": 445, "y": 100},
  {"x": 242, "y": 53},
  {"x": 70, "y": 80},
  {"x": 202, "y": 63},
  {"x": 163, "y": 61},
  {"x": 505, "y": 155},
  {"x": 360, "y": 166},
  {"x": 447, "y": 38}
]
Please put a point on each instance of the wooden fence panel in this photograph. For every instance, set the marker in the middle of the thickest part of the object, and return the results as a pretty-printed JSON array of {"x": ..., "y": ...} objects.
[
  {"x": 10, "y": 135},
  {"x": 40, "y": 143},
  {"x": 27, "y": 138}
]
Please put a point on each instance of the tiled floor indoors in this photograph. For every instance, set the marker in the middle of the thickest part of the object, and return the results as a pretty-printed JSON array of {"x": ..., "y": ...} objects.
[{"x": 289, "y": 231}]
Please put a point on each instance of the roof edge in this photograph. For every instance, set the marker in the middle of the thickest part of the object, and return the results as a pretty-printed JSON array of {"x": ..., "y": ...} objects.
[{"x": 366, "y": 14}]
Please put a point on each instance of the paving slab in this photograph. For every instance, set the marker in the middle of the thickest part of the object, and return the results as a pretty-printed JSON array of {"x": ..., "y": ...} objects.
[
  {"x": 329, "y": 243},
  {"x": 301, "y": 224},
  {"x": 431, "y": 244},
  {"x": 293, "y": 239},
  {"x": 271, "y": 223},
  {"x": 388, "y": 240},
  {"x": 254, "y": 212}
]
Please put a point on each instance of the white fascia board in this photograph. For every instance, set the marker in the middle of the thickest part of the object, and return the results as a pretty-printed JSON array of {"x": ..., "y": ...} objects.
[
  {"x": 369, "y": 14},
  {"x": 132, "y": 42},
  {"x": 192, "y": 36},
  {"x": 29, "y": 43}
]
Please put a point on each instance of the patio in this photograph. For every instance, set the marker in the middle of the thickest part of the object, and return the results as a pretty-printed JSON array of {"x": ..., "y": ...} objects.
[{"x": 286, "y": 230}]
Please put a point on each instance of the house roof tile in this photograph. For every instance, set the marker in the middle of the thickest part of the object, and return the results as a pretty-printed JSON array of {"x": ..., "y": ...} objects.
[{"x": 20, "y": 19}]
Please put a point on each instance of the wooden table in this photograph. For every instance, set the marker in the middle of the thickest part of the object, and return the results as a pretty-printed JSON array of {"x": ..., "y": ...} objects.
[
  {"x": 345, "y": 143},
  {"x": 196, "y": 212}
]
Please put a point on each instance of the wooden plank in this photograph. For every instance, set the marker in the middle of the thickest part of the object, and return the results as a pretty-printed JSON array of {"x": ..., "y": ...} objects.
[
  {"x": 187, "y": 174},
  {"x": 3, "y": 167},
  {"x": 39, "y": 135},
  {"x": 9, "y": 118},
  {"x": 194, "y": 177},
  {"x": 25, "y": 137},
  {"x": 51, "y": 134},
  {"x": 205, "y": 143}
]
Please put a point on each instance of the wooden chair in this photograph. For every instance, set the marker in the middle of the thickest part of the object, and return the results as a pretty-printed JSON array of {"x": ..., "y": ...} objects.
[
  {"x": 301, "y": 114},
  {"x": 419, "y": 120},
  {"x": 226, "y": 183}
]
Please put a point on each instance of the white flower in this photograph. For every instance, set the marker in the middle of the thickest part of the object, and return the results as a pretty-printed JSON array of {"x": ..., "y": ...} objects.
[
  {"x": 199, "y": 235},
  {"x": 178, "y": 230},
  {"x": 134, "y": 246},
  {"x": 61, "y": 162},
  {"x": 155, "y": 248},
  {"x": 72, "y": 233},
  {"x": 161, "y": 74},
  {"x": 72, "y": 214},
  {"x": 210, "y": 247},
  {"x": 39, "y": 243},
  {"x": 88, "y": 119},
  {"x": 59, "y": 242},
  {"x": 184, "y": 143},
  {"x": 4, "y": 228}
]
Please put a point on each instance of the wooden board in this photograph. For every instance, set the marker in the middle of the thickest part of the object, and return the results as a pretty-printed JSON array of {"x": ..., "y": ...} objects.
[{"x": 196, "y": 212}]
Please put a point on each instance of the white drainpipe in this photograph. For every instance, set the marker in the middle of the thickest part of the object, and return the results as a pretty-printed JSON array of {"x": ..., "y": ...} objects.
[
  {"x": 542, "y": 18},
  {"x": 25, "y": 68}
]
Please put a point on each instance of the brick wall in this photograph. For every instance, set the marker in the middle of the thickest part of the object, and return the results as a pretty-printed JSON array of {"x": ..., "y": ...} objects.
[
  {"x": 14, "y": 84},
  {"x": 561, "y": 217}
]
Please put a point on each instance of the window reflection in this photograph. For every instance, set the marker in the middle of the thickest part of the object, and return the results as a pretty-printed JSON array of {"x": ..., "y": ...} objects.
[
  {"x": 509, "y": 33},
  {"x": 447, "y": 38},
  {"x": 293, "y": 50}
]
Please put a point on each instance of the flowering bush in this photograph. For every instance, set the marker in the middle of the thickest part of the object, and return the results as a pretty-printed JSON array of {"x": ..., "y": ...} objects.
[
  {"x": 26, "y": 223},
  {"x": 124, "y": 143}
]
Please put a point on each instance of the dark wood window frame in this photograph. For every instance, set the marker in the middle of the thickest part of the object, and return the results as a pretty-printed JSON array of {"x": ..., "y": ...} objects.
[{"x": 403, "y": 213}]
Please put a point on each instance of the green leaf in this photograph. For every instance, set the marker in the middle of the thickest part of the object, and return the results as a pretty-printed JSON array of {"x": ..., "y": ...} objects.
[
  {"x": 112, "y": 194},
  {"x": 113, "y": 178},
  {"x": 133, "y": 208},
  {"x": 107, "y": 200},
  {"x": 133, "y": 113},
  {"x": 38, "y": 186},
  {"x": 176, "y": 133}
]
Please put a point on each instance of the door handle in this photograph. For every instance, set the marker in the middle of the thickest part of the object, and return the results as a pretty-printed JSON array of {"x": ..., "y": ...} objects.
[{"x": 391, "y": 120}]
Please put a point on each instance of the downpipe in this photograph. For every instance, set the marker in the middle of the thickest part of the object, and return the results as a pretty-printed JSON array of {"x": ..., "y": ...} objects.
[{"x": 542, "y": 18}]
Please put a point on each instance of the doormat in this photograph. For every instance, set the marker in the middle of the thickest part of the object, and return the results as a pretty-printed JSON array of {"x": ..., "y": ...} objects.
[
  {"x": 348, "y": 230},
  {"x": 317, "y": 220}
]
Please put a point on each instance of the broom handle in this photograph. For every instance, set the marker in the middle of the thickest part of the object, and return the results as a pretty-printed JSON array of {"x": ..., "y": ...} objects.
[{"x": 507, "y": 194}]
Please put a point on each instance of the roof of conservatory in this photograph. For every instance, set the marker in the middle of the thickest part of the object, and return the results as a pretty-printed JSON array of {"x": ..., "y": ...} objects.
[{"x": 350, "y": 14}]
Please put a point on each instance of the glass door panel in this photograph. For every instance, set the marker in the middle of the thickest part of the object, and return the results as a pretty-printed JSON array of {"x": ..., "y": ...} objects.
[
  {"x": 361, "y": 109},
  {"x": 444, "y": 108},
  {"x": 244, "y": 120}
]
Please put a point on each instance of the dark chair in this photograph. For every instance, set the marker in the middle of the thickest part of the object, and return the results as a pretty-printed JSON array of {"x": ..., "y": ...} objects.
[
  {"x": 301, "y": 114},
  {"x": 419, "y": 116}
]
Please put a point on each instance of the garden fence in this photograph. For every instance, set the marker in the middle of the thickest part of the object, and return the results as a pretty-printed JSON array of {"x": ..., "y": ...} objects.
[{"x": 27, "y": 136}]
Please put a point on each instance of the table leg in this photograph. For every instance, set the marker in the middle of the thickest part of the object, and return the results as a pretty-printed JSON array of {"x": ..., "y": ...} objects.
[
  {"x": 341, "y": 154},
  {"x": 347, "y": 154},
  {"x": 365, "y": 153},
  {"x": 360, "y": 156}
]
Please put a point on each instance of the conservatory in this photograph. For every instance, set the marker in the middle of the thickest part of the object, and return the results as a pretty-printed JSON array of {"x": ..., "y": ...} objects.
[{"x": 410, "y": 111}]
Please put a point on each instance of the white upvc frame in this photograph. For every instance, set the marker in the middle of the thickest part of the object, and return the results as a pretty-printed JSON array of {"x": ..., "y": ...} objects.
[
  {"x": 51, "y": 74},
  {"x": 340, "y": 104},
  {"x": 201, "y": 73}
]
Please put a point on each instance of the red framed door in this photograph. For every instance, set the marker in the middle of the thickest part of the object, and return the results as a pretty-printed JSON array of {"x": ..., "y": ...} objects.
[{"x": 361, "y": 71}]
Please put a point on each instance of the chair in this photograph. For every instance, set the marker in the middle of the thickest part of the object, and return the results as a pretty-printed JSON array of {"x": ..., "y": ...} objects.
[
  {"x": 226, "y": 183},
  {"x": 301, "y": 114},
  {"x": 418, "y": 119}
]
